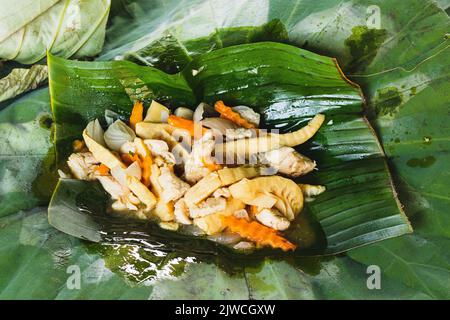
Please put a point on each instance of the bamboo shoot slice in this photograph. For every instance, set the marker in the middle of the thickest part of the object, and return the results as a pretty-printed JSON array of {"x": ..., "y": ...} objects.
[
  {"x": 248, "y": 146},
  {"x": 142, "y": 192},
  {"x": 101, "y": 153},
  {"x": 270, "y": 141},
  {"x": 171, "y": 226},
  {"x": 287, "y": 191},
  {"x": 229, "y": 176},
  {"x": 310, "y": 190},
  {"x": 157, "y": 112},
  {"x": 202, "y": 189},
  {"x": 211, "y": 224},
  {"x": 263, "y": 200},
  {"x": 154, "y": 175},
  {"x": 164, "y": 211},
  {"x": 167, "y": 133},
  {"x": 302, "y": 135}
]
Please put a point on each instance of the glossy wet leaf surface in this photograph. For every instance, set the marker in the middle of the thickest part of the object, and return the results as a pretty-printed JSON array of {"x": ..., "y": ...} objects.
[
  {"x": 287, "y": 86},
  {"x": 26, "y": 153},
  {"x": 406, "y": 83},
  {"x": 130, "y": 272}
]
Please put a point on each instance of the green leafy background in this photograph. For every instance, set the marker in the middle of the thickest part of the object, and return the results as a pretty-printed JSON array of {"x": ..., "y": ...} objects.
[
  {"x": 28, "y": 29},
  {"x": 404, "y": 71}
]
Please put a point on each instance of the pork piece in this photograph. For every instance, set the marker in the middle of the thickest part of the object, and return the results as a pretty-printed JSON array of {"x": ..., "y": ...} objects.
[
  {"x": 287, "y": 161},
  {"x": 83, "y": 165},
  {"x": 173, "y": 188}
]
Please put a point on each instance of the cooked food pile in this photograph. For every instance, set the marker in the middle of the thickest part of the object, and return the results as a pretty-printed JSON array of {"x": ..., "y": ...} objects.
[{"x": 208, "y": 172}]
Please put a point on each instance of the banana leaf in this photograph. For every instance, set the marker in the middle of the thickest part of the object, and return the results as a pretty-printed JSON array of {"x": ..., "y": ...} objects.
[
  {"x": 287, "y": 86},
  {"x": 66, "y": 28},
  {"x": 410, "y": 51},
  {"x": 27, "y": 158},
  {"x": 134, "y": 272}
]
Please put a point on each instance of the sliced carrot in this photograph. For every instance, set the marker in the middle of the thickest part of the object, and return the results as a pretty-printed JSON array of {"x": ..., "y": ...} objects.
[
  {"x": 253, "y": 210},
  {"x": 102, "y": 170},
  {"x": 257, "y": 232},
  {"x": 137, "y": 114},
  {"x": 186, "y": 124},
  {"x": 146, "y": 165},
  {"x": 211, "y": 165},
  {"x": 129, "y": 159},
  {"x": 228, "y": 113},
  {"x": 144, "y": 162}
]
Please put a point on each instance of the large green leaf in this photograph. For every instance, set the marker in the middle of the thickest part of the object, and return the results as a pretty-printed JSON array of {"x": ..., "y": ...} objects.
[
  {"x": 408, "y": 96},
  {"x": 35, "y": 261},
  {"x": 118, "y": 83},
  {"x": 26, "y": 153},
  {"x": 67, "y": 28},
  {"x": 28, "y": 29},
  {"x": 38, "y": 263},
  {"x": 413, "y": 38},
  {"x": 403, "y": 70},
  {"x": 174, "y": 24},
  {"x": 171, "y": 55},
  {"x": 284, "y": 84}
]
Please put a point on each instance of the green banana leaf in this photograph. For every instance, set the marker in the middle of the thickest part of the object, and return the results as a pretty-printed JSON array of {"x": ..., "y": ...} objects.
[
  {"x": 28, "y": 29},
  {"x": 412, "y": 55},
  {"x": 133, "y": 272},
  {"x": 67, "y": 28},
  {"x": 287, "y": 86},
  {"x": 27, "y": 156}
]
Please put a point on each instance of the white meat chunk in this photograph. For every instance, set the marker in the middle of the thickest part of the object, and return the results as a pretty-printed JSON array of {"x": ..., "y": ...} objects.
[
  {"x": 222, "y": 192},
  {"x": 126, "y": 202},
  {"x": 181, "y": 212},
  {"x": 160, "y": 148},
  {"x": 111, "y": 186},
  {"x": 169, "y": 225},
  {"x": 287, "y": 161},
  {"x": 244, "y": 245},
  {"x": 173, "y": 187},
  {"x": 207, "y": 207},
  {"x": 248, "y": 114},
  {"x": 194, "y": 168},
  {"x": 241, "y": 214},
  {"x": 128, "y": 147},
  {"x": 239, "y": 133},
  {"x": 125, "y": 199},
  {"x": 272, "y": 218},
  {"x": 83, "y": 165}
]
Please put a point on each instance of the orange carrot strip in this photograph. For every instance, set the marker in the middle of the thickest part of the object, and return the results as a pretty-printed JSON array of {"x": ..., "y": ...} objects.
[
  {"x": 253, "y": 210},
  {"x": 227, "y": 113},
  {"x": 144, "y": 162},
  {"x": 186, "y": 124},
  {"x": 211, "y": 165},
  {"x": 137, "y": 114},
  {"x": 257, "y": 232},
  {"x": 129, "y": 159},
  {"x": 102, "y": 170},
  {"x": 146, "y": 165}
]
